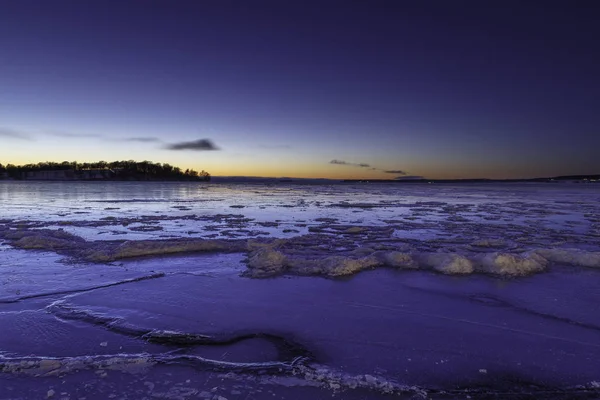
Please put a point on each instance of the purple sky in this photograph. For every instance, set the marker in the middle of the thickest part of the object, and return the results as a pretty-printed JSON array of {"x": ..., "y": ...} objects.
[{"x": 429, "y": 88}]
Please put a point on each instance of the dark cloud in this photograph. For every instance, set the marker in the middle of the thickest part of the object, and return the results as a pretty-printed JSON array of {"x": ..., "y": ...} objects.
[
  {"x": 403, "y": 174},
  {"x": 14, "y": 134},
  {"x": 341, "y": 162},
  {"x": 197, "y": 145},
  {"x": 143, "y": 139},
  {"x": 409, "y": 177}
]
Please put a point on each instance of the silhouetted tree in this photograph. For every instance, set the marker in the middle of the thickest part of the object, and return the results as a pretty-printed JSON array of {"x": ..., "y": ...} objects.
[{"x": 121, "y": 170}]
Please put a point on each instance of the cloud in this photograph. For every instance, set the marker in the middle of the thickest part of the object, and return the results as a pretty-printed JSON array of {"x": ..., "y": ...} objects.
[
  {"x": 365, "y": 165},
  {"x": 138, "y": 139},
  {"x": 341, "y": 162},
  {"x": 74, "y": 135},
  {"x": 142, "y": 139},
  {"x": 197, "y": 145},
  {"x": 14, "y": 134},
  {"x": 338, "y": 162}
]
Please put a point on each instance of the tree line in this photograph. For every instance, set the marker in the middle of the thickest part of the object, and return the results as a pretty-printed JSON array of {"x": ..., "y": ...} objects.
[{"x": 120, "y": 170}]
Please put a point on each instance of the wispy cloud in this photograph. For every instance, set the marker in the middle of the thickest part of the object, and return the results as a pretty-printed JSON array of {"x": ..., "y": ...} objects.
[
  {"x": 342, "y": 162},
  {"x": 143, "y": 139},
  {"x": 74, "y": 135},
  {"x": 402, "y": 174},
  {"x": 14, "y": 134},
  {"x": 202, "y": 144},
  {"x": 196, "y": 145},
  {"x": 71, "y": 135}
]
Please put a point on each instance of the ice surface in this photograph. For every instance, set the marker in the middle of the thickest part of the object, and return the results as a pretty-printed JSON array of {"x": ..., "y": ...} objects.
[
  {"x": 332, "y": 251},
  {"x": 266, "y": 262},
  {"x": 130, "y": 249},
  {"x": 526, "y": 214},
  {"x": 448, "y": 263},
  {"x": 572, "y": 257},
  {"x": 366, "y": 326},
  {"x": 512, "y": 264},
  {"x": 447, "y": 281}
]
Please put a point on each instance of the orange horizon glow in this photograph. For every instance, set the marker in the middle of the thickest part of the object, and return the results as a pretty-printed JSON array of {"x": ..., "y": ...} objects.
[{"x": 322, "y": 171}]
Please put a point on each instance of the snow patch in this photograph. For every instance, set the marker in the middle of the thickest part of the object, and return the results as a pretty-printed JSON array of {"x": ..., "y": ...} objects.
[
  {"x": 448, "y": 263},
  {"x": 158, "y": 247},
  {"x": 43, "y": 239},
  {"x": 396, "y": 259},
  {"x": 332, "y": 265},
  {"x": 325, "y": 254},
  {"x": 265, "y": 262},
  {"x": 511, "y": 264},
  {"x": 577, "y": 257}
]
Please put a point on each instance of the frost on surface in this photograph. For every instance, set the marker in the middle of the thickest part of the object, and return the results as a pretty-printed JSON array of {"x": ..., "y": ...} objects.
[
  {"x": 265, "y": 262},
  {"x": 577, "y": 257},
  {"x": 103, "y": 252},
  {"x": 332, "y": 265},
  {"x": 326, "y": 230},
  {"x": 43, "y": 239},
  {"x": 396, "y": 259},
  {"x": 106, "y": 251},
  {"x": 511, "y": 264},
  {"x": 448, "y": 263},
  {"x": 310, "y": 230},
  {"x": 55, "y": 366},
  {"x": 329, "y": 252}
]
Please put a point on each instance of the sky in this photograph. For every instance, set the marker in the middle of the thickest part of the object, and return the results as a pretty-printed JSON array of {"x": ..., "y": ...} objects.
[{"x": 322, "y": 89}]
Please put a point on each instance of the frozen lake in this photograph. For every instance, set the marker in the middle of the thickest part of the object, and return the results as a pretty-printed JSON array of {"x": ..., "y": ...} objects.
[{"x": 254, "y": 291}]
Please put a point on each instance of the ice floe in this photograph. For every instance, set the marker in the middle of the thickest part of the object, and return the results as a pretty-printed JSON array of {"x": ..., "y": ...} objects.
[{"x": 331, "y": 251}]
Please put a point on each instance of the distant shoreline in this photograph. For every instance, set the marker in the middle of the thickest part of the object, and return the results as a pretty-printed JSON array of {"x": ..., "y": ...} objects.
[
  {"x": 557, "y": 179},
  {"x": 129, "y": 170},
  {"x": 283, "y": 180},
  {"x": 595, "y": 179}
]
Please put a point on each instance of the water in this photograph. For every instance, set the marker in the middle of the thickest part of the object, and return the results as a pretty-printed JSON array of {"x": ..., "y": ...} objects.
[{"x": 252, "y": 291}]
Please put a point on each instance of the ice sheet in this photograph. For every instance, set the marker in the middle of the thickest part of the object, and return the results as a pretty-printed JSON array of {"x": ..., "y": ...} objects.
[{"x": 441, "y": 291}]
